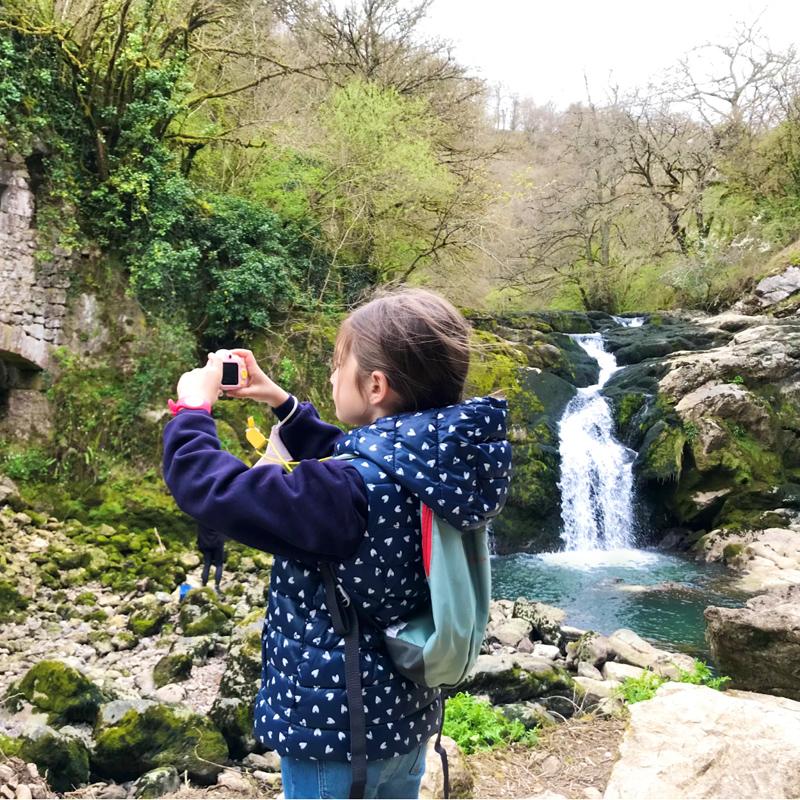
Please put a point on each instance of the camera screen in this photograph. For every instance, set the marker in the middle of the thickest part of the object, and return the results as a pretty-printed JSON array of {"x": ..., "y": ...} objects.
[{"x": 230, "y": 373}]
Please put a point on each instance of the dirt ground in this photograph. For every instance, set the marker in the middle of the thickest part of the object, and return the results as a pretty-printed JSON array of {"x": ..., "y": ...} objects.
[{"x": 573, "y": 759}]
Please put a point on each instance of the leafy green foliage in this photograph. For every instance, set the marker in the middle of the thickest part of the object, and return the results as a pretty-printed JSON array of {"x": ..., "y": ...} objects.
[
  {"x": 634, "y": 690},
  {"x": 32, "y": 463},
  {"x": 475, "y": 725},
  {"x": 702, "y": 675}
]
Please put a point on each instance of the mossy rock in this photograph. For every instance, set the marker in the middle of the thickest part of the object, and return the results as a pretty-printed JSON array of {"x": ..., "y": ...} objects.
[
  {"x": 63, "y": 758},
  {"x": 507, "y": 679},
  {"x": 661, "y": 456},
  {"x": 149, "y": 618},
  {"x": 172, "y": 668},
  {"x": 202, "y": 613},
  {"x": 157, "y": 783},
  {"x": 57, "y": 689},
  {"x": 11, "y": 601},
  {"x": 234, "y": 718},
  {"x": 153, "y": 735},
  {"x": 86, "y": 599},
  {"x": 9, "y": 746}
]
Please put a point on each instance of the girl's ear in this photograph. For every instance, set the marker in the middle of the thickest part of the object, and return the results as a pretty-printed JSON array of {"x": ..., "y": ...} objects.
[{"x": 379, "y": 393}]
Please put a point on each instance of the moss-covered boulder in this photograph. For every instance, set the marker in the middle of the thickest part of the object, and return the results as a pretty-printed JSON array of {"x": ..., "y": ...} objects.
[
  {"x": 62, "y": 757},
  {"x": 148, "y": 617},
  {"x": 172, "y": 668},
  {"x": 60, "y": 691},
  {"x": 11, "y": 601},
  {"x": 513, "y": 679},
  {"x": 232, "y": 710},
  {"x": 149, "y": 735},
  {"x": 203, "y": 613}
]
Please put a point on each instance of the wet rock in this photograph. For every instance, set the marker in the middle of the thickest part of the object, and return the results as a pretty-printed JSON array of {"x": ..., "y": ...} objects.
[{"x": 758, "y": 646}]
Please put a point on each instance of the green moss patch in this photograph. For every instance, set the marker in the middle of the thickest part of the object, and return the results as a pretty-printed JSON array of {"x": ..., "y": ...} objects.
[
  {"x": 158, "y": 736},
  {"x": 65, "y": 694}
]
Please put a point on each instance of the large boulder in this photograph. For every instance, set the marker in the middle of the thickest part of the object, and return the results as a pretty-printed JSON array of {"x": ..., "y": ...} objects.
[
  {"x": 232, "y": 711},
  {"x": 546, "y": 620},
  {"x": 692, "y": 741},
  {"x": 62, "y": 756},
  {"x": 58, "y": 690},
  {"x": 135, "y": 737},
  {"x": 758, "y": 646}
]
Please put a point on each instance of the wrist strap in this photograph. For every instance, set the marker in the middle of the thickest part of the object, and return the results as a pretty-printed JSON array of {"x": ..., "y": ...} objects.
[{"x": 183, "y": 404}]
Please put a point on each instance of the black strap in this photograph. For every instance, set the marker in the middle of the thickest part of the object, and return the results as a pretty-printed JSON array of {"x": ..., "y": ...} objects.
[
  {"x": 442, "y": 752},
  {"x": 345, "y": 624}
]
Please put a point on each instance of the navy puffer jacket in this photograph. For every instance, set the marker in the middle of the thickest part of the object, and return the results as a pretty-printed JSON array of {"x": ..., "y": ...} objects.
[{"x": 457, "y": 461}]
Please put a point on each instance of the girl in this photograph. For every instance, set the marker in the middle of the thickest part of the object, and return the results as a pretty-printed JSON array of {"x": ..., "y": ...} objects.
[{"x": 400, "y": 365}]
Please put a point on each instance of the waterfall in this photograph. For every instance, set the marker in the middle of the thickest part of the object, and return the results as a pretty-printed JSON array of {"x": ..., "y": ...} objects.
[{"x": 596, "y": 470}]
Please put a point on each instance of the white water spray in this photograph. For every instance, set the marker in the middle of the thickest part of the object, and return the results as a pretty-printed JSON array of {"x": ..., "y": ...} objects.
[{"x": 596, "y": 470}]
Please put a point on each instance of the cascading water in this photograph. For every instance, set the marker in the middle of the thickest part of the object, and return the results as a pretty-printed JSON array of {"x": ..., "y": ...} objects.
[
  {"x": 596, "y": 470},
  {"x": 599, "y": 579}
]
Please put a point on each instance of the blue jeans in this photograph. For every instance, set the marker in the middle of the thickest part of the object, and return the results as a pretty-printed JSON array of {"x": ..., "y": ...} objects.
[{"x": 388, "y": 777}]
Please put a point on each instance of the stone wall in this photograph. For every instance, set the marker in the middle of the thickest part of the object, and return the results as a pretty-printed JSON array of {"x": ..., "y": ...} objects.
[{"x": 33, "y": 305}]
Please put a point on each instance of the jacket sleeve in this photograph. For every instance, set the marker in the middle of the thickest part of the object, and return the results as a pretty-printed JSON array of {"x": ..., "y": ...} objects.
[
  {"x": 318, "y": 511},
  {"x": 304, "y": 433}
]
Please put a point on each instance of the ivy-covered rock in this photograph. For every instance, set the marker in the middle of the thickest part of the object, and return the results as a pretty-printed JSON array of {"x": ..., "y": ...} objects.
[
  {"x": 202, "y": 613},
  {"x": 60, "y": 691},
  {"x": 149, "y": 735}
]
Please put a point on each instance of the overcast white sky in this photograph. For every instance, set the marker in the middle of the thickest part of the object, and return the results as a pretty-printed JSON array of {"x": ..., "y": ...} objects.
[{"x": 542, "y": 49}]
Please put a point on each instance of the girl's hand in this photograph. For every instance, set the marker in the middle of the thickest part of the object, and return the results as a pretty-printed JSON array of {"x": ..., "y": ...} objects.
[
  {"x": 261, "y": 386},
  {"x": 201, "y": 385}
]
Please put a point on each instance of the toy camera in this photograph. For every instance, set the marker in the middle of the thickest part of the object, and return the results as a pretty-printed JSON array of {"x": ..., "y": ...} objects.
[{"x": 234, "y": 371}]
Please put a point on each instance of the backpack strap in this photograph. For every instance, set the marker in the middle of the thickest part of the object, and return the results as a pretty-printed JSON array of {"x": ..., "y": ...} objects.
[
  {"x": 345, "y": 624},
  {"x": 442, "y": 752}
]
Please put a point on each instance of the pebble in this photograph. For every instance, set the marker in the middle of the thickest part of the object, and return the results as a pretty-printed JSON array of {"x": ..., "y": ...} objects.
[
  {"x": 267, "y": 762},
  {"x": 24, "y": 792},
  {"x": 270, "y": 778},
  {"x": 233, "y": 781}
]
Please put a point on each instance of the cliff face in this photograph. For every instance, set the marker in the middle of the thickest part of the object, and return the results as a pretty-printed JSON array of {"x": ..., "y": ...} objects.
[{"x": 42, "y": 307}]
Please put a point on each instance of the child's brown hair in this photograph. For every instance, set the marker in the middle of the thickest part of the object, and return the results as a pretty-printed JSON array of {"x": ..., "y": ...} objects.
[{"x": 417, "y": 339}]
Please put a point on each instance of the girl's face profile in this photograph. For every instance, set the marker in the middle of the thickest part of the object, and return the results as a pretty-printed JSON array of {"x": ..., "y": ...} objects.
[{"x": 351, "y": 407}]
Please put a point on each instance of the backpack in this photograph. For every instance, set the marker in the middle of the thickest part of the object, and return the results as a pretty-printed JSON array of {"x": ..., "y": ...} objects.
[{"x": 437, "y": 646}]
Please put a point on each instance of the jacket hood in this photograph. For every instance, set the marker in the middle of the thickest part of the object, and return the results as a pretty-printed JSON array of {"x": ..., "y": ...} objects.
[{"x": 455, "y": 459}]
